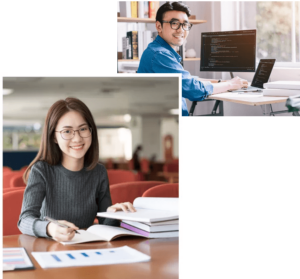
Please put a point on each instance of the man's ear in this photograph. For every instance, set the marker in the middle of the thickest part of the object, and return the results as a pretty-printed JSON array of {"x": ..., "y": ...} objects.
[{"x": 158, "y": 26}]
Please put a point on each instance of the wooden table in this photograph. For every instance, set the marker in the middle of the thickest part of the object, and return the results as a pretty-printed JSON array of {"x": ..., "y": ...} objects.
[{"x": 163, "y": 263}]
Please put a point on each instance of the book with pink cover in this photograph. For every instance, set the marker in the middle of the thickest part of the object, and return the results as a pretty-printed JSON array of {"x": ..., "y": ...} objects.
[{"x": 162, "y": 234}]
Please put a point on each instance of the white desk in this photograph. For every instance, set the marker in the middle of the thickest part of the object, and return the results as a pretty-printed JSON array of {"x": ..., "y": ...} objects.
[{"x": 245, "y": 99}]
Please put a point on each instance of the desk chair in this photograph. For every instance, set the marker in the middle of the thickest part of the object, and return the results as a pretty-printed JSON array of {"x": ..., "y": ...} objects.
[
  {"x": 129, "y": 191},
  {"x": 168, "y": 190},
  {"x": 7, "y": 169},
  {"x": 120, "y": 176},
  {"x": 7, "y": 176},
  {"x": 12, "y": 204},
  {"x": 214, "y": 110},
  {"x": 24, "y": 168},
  {"x": 171, "y": 172},
  {"x": 6, "y": 190},
  {"x": 17, "y": 181}
]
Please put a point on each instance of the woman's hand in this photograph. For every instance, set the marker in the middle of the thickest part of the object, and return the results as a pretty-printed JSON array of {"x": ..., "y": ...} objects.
[
  {"x": 59, "y": 233},
  {"x": 125, "y": 206}
]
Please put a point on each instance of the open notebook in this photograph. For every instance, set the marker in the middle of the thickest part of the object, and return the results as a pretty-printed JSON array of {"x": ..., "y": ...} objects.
[{"x": 99, "y": 233}]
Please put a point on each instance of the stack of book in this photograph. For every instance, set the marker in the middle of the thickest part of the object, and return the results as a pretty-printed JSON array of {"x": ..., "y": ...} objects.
[
  {"x": 134, "y": 44},
  {"x": 139, "y": 9},
  {"x": 161, "y": 229},
  {"x": 282, "y": 88},
  {"x": 154, "y": 218}
]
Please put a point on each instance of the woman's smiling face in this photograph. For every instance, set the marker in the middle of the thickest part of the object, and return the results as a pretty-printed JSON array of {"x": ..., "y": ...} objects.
[{"x": 73, "y": 150}]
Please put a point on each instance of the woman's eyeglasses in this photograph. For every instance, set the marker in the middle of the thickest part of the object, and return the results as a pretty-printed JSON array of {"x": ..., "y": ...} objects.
[{"x": 68, "y": 134}]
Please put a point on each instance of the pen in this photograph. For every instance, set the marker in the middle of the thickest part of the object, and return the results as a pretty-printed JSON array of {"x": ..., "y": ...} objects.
[{"x": 57, "y": 223}]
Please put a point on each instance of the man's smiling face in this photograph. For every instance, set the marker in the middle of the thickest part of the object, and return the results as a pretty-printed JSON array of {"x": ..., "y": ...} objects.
[{"x": 173, "y": 37}]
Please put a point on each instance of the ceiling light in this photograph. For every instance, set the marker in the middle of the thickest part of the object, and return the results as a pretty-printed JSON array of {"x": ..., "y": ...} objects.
[
  {"x": 7, "y": 91},
  {"x": 174, "y": 111},
  {"x": 127, "y": 117}
]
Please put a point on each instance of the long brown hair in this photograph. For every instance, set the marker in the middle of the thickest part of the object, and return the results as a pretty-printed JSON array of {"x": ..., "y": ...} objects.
[{"x": 49, "y": 151}]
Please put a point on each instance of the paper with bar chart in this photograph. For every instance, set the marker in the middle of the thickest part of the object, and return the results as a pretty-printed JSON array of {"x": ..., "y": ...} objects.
[
  {"x": 88, "y": 257},
  {"x": 16, "y": 258}
]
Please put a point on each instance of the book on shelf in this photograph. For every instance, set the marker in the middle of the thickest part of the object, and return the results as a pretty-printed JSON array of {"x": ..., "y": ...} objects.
[
  {"x": 99, "y": 233},
  {"x": 138, "y": 9},
  {"x": 140, "y": 43},
  {"x": 129, "y": 37},
  {"x": 133, "y": 44},
  {"x": 160, "y": 234},
  {"x": 124, "y": 47},
  {"x": 163, "y": 226},
  {"x": 148, "y": 210},
  {"x": 125, "y": 8},
  {"x": 141, "y": 9},
  {"x": 146, "y": 9},
  {"x": 134, "y": 9},
  {"x": 153, "y": 7}
]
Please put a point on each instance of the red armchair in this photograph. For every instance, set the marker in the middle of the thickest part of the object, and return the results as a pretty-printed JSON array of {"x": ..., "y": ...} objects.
[
  {"x": 12, "y": 204},
  {"x": 127, "y": 192},
  {"x": 168, "y": 190},
  {"x": 120, "y": 176},
  {"x": 17, "y": 181}
]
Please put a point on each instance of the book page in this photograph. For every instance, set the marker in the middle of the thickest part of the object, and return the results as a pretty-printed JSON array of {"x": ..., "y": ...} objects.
[
  {"x": 141, "y": 215},
  {"x": 171, "y": 204},
  {"x": 84, "y": 236},
  {"x": 109, "y": 232}
]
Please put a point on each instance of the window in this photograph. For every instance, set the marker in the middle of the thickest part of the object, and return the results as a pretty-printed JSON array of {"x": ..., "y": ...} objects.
[
  {"x": 115, "y": 143},
  {"x": 21, "y": 138},
  {"x": 278, "y": 29}
]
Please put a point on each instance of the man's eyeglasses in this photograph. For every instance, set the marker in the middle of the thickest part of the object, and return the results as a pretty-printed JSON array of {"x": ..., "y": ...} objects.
[
  {"x": 176, "y": 25},
  {"x": 68, "y": 134}
]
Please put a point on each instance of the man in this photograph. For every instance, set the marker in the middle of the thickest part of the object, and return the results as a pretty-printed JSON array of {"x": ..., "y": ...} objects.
[{"x": 160, "y": 56}]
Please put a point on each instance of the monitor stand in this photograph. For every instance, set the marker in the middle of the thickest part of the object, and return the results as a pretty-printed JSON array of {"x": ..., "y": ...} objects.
[{"x": 231, "y": 75}]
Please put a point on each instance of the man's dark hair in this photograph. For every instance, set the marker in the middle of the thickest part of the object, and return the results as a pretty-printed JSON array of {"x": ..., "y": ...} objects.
[{"x": 175, "y": 6}]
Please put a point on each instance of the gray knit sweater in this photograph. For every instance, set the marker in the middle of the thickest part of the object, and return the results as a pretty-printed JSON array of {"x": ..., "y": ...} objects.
[{"x": 62, "y": 194}]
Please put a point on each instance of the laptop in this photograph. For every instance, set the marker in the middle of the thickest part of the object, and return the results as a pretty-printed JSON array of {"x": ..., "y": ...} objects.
[{"x": 262, "y": 75}]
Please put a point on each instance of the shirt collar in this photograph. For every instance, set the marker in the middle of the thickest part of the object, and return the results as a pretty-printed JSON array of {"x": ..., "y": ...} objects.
[{"x": 163, "y": 43}]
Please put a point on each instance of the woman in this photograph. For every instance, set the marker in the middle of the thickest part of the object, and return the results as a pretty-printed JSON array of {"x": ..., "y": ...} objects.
[{"x": 65, "y": 180}]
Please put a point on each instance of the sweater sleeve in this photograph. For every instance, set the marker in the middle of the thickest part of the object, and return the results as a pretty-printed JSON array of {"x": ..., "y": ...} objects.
[
  {"x": 192, "y": 88},
  {"x": 29, "y": 221},
  {"x": 104, "y": 200}
]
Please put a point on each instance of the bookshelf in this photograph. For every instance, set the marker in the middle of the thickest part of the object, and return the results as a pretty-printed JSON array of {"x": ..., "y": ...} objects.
[{"x": 152, "y": 20}]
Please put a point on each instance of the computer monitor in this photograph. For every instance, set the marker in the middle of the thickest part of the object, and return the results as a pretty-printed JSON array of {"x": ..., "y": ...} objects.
[{"x": 228, "y": 51}]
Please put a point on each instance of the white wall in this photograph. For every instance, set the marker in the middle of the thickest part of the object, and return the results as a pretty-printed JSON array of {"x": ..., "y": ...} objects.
[
  {"x": 135, "y": 127},
  {"x": 151, "y": 137},
  {"x": 169, "y": 126}
]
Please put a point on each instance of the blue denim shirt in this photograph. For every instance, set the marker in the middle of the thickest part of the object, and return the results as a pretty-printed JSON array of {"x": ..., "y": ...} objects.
[{"x": 160, "y": 57}]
